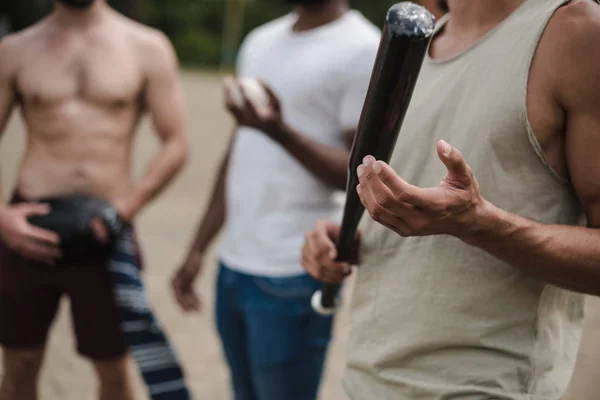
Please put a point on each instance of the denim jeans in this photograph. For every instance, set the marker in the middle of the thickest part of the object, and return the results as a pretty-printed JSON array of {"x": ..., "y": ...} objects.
[{"x": 274, "y": 343}]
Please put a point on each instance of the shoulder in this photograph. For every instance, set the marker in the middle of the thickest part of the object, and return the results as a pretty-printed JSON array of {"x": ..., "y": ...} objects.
[
  {"x": 358, "y": 38},
  {"x": 575, "y": 27},
  {"x": 268, "y": 30},
  {"x": 152, "y": 46},
  {"x": 147, "y": 38},
  {"x": 570, "y": 47},
  {"x": 16, "y": 44},
  {"x": 361, "y": 28},
  {"x": 357, "y": 44}
]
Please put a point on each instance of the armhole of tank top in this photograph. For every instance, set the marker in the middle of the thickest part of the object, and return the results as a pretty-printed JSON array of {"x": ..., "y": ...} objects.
[
  {"x": 530, "y": 132},
  {"x": 440, "y": 24}
]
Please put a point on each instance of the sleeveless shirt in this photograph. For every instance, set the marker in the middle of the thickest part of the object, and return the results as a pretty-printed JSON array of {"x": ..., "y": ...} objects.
[{"x": 433, "y": 318}]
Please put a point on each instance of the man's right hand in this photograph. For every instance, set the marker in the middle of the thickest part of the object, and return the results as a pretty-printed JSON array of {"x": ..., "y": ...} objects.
[
  {"x": 26, "y": 239},
  {"x": 319, "y": 253},
  {"x": 183, "y": 284}
]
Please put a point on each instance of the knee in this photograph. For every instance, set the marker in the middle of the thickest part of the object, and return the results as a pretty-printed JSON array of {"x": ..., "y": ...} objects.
[{"x": 22, "y": 367}]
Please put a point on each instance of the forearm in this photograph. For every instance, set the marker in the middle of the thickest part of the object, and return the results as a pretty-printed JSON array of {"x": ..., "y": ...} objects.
[
  {"x": 214, "y": 216},
  {"x": 329, "y": 164},
  {"x": 163, "y": 169},
  {"x": 211, "y": 222},
  {"x": 565, "y": 256}
]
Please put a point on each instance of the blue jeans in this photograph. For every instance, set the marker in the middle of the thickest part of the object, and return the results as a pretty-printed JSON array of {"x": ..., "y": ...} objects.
[{"x": 274, "y": 343}]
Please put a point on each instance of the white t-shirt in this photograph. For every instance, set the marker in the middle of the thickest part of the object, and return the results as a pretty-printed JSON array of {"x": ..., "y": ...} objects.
[{"x": 320, "y": 77}]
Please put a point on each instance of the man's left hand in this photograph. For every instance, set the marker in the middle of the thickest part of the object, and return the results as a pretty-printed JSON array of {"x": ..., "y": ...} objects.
[
  {"x": 449, "y": 208},
  {"x": 268, "y": 120}
]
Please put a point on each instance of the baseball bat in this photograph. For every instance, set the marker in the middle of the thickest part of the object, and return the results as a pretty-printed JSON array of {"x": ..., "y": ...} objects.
[{"x": 407, "y": 32}]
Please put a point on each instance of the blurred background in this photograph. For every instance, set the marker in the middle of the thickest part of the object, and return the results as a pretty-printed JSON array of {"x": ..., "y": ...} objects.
[{"x": 206, "y": 35}]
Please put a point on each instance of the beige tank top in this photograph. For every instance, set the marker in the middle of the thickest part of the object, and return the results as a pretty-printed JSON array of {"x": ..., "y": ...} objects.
[{"x": 433, "y": 318}]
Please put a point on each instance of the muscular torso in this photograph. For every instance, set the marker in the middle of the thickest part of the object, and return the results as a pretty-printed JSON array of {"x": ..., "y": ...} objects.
[{"x": 81, "y": 96}]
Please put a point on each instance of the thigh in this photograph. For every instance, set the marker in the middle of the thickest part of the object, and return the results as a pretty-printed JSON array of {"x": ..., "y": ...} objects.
[
  {"x": 232, "y": 332},
  {"x": 95, "y": 314},
  {"x": 287, "y": 339},
  {"x": 29, "y": 299}
]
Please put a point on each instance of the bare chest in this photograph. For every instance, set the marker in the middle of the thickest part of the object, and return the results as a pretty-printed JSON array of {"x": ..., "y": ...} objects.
[{"x": 106, "y": 73}]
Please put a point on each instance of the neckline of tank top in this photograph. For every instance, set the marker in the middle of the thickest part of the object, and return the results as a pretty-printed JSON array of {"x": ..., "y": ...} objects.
[{"x": 444, "y": 20}]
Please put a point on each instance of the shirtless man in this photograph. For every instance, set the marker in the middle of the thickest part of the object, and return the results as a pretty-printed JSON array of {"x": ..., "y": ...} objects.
[
  {"x": 472, "y": 287},
  {"x": 83, "y": 77}
]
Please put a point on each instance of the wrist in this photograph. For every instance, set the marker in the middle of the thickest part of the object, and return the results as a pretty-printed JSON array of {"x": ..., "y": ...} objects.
[
  {"x": 279, "y": 132},
  {"x": 127, "y": 209},
  {"x": 485, "y": 218}
]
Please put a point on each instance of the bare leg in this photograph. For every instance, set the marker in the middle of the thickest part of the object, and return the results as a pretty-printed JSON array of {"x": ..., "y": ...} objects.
[
  {"x": 21, "y": 371},
  {"x": 115, "y": 380}
]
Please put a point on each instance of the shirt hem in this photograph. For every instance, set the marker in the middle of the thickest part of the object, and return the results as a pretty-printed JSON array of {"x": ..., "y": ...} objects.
[{"x": 251, "y": 268}]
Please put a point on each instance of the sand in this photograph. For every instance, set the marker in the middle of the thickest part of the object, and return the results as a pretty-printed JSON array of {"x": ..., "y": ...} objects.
[{"x": 165, "y": 229}]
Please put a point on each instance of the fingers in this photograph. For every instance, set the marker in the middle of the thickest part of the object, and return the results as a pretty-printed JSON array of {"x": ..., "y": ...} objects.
[
  {"x": 40, "y": 252},
  {"x": 320, "y": 240},
  {"x": 273, "y": 99},
  {"x": 459, "y": 172},
  {"x": 43, "y": 236},
  {"x": 185, "y": 295},
  {"x": 319, "y": 253},
  {"x": 326, "y": 273},
  {"x": 249, "y": 109},
  {"x": 379, "y": 213},
  {"x": 411, "y": 196},
  {"x": 99, "y": 229},
  {"x": 233, "y": 98},
  {"x": 31, "y": 209},
  {"x": 382, "y": 189}
]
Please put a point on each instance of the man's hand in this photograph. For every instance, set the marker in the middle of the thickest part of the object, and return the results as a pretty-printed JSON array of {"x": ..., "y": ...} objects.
[
  {"x": 28, "y": 240},
  {"x": 450, "y": 208},
  {"x": 125, "y": 208},
  {"x": 268, "y": 121},
  {"x": 319, "y": 253},
  {"x": 183, "y": 284}
]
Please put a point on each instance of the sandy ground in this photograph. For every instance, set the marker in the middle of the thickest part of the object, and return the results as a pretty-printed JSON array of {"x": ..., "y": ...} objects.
[{"x": 165, "y": 230}]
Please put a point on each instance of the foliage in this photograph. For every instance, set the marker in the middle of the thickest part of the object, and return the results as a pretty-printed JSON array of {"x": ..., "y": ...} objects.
[{"x": 196, "y": 27}]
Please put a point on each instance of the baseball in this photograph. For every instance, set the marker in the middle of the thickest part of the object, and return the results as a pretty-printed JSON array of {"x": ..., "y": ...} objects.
[{"x": 253, "y": 89}]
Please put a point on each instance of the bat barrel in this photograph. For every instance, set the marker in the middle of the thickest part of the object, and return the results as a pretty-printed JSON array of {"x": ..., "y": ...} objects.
[{"x": 406, "y": 35}]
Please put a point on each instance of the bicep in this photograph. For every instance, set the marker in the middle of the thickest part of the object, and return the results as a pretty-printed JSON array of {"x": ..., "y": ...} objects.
[
  {"x": 583, "y": 160},
  {"x": 574, "y": 34},
  {"x": 163, "y": 92}
]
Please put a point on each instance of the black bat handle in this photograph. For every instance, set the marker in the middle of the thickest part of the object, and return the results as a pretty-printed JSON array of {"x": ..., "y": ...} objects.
[{"x": 406, "y": 35}]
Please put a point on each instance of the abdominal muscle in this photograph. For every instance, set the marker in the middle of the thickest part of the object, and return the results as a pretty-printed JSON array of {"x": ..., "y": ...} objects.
[{"x": 76, "y": 148}]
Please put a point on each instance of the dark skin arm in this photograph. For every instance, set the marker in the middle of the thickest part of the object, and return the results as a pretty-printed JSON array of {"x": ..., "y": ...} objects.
[
  {"x": 210, "y": 225},
  {"x": 564, "y": 256},
  {"x": 329, "y": 164}
]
